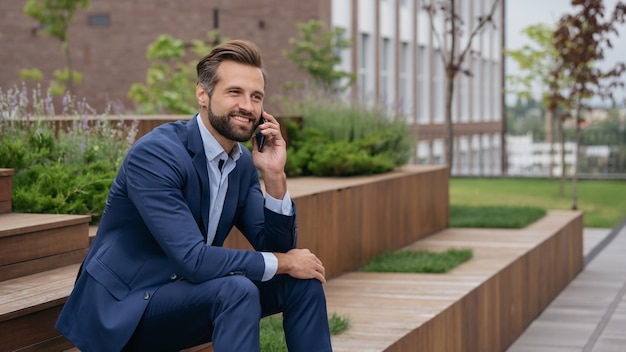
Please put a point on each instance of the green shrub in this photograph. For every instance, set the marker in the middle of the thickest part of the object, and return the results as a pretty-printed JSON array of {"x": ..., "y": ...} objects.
[
  {"x": 57, "y": 188},
  {"x": 338, "y": 139},
  {"x": 68, "y": 171}
]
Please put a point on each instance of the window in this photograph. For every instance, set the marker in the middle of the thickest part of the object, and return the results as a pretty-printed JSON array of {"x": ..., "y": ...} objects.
[
  {"x": 405, "y": 86},
  {"x": 364, "y": 66},
  {"x": 385, "y": 72},
  {"x": 99, "y": 20},
  {"x": 422, "y": 86},
  {"x": 438, "y": 88}
]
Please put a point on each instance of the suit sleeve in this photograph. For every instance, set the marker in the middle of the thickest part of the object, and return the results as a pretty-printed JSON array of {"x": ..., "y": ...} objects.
[{"x": 265, "y": 229}]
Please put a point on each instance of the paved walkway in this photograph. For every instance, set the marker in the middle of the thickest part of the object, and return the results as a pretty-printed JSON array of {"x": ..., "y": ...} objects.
[{"x": 590, "y": 313}]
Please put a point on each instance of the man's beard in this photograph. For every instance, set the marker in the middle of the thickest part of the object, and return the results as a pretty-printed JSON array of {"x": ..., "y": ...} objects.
[{"x": 221, "y": 123}]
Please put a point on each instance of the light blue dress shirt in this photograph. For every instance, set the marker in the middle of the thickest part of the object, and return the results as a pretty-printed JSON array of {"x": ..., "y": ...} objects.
[{"x": 218, "y": 185}]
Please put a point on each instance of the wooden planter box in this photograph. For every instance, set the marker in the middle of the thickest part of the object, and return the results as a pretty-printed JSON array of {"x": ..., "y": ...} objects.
[
  {"x": 5, "y": 190},
  {"x": 346, "y": 221}
]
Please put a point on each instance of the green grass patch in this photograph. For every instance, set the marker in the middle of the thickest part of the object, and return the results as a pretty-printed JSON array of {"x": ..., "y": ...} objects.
[
  {"x": 491, "y": 216},
  {"x": 418, "y": 261},
  {"x": 601, "y": 201},
  {"x": 273, "y": 335}
]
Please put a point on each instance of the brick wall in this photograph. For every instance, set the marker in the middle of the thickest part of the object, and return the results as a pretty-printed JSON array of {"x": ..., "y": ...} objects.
[{"x": 112, "y": 58}]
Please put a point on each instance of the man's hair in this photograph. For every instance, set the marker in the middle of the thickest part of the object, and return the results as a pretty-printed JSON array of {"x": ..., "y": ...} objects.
[{"x": 240, "y": 51}]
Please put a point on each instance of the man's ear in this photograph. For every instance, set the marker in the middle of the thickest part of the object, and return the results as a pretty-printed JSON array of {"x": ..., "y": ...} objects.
[{"x": 202, "y": 96}]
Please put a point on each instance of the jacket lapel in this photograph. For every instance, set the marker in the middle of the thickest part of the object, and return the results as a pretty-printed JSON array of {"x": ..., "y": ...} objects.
[{"x": 196, "y": 149}]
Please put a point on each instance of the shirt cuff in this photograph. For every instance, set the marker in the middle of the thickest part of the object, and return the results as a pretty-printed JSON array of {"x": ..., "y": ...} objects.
[
  {"x": 271, "y": 265},
  {"x": 283, "y": 207}
]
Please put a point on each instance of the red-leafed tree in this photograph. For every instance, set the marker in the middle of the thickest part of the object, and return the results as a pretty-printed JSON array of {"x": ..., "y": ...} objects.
[{"x": 580, "y": 41}]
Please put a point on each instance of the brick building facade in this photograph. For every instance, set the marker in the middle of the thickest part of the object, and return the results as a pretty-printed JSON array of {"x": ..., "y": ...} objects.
[
  {"x": 394, "y": 55},
  {"x": 108, "y": 41}
]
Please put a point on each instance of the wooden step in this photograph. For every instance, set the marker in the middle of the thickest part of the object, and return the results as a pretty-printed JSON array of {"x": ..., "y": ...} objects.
[
  {"x": 31, "y": 243},
  {"x": 29, "y": 307}
]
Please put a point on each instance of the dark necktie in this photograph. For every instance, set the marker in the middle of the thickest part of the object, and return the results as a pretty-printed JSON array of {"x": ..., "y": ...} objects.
[{"x": 220, "y": 164}]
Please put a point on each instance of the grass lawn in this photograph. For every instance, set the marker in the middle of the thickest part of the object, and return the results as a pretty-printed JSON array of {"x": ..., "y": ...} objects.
[
  {"x": 418, "y": 261},
  {"x": 603, "y": 203}
]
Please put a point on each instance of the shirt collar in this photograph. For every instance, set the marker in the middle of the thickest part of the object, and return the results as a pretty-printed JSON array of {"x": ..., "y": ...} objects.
[{"x": 212, "y": 149}]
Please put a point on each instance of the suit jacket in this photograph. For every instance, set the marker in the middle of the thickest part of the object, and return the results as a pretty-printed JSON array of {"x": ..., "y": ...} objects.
[{"x": 153, "y": 231}]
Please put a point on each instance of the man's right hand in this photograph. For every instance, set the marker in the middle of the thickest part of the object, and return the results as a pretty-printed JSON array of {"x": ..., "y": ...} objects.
[{"x": 301, "y": 264}]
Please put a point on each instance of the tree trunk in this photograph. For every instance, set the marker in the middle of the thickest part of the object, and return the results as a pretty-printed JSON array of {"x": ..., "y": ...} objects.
[
  {"x": 449, "y": 124},
  {"x": 70, "y": 72},
  {"x": 550, "y": 139},
  {"x": 575, "y": 170},
  {"x": 562, "y": 136}
]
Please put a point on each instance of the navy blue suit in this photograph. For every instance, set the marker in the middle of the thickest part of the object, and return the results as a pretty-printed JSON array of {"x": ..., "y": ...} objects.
[{"x": 150, "y": 253}]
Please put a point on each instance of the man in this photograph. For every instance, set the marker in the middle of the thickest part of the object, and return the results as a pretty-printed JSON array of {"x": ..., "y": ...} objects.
[{"x": 157, "y": 278}]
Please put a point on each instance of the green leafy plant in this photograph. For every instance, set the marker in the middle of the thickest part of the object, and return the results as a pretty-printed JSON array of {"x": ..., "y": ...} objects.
[
  {"x": 338, "y": 139},
  {"x": 55, "y": 17},
  {"x": 418, "y": 261},
  {"x": 273, "y": 336},
  {"x": 317, "y": 52},
  {"x": 60, "y": 168},
  {"x": 170, "y": 80}
]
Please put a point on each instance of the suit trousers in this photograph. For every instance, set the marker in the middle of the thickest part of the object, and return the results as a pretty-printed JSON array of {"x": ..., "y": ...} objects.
[{"x": 227, "y": 311}]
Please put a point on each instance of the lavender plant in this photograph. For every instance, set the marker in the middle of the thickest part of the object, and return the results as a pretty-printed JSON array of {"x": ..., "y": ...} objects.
[{"x": 63, "y": 163}]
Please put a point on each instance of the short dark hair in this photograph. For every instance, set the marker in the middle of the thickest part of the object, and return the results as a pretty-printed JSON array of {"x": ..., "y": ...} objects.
[{"x": 240, "y": 51}]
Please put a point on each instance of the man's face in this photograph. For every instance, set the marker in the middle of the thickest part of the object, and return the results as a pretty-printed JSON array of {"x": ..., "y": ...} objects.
[{"x": 235, "y": 107}]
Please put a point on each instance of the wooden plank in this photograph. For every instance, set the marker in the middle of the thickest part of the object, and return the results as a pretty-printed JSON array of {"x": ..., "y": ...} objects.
[
  {"x": 25, "y": 295},
  {"x": 5, "y": 190},
  {"x": 58, "y": 343},
  {"x": 5, "y": 206},
  {"x": 12, "y": 271},
  {"x": 29, "y": 330},
  {"x": 44, "y": 243},
  {"x": 19, "y": 223}
]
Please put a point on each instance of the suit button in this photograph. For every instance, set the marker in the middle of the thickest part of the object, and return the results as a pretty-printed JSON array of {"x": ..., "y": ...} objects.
[
  {"x": 146, "y": 295},
  {"x": 173, "y": 277}
]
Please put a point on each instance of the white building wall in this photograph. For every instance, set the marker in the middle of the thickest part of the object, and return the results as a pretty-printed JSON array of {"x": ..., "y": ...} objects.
[
  {"x": 409, "y": 53},
  {"x": 340, "y": 20}
]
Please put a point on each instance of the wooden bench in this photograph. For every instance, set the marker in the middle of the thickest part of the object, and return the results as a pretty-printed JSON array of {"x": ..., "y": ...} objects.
[{"x": 483, "y": 305}]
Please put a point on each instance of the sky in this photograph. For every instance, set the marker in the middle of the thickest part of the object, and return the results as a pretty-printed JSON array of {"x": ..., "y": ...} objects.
[{"x": 523, "y": 13}]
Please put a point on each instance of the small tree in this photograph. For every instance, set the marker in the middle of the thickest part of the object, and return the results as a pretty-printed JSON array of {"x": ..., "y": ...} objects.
[
  {"x": 537, "y": 62},
  {"x": 170, "y": 80},
  {"x": 452, "y": 59},
  {"x": 580, "y": 40},
  {"x": 317, "y": 52},
  {"x": 55, "y": 17}
]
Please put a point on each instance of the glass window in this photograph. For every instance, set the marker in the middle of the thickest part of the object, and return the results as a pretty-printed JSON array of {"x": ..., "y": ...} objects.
[
  {"x": 99, "y": 20},
  {"x": 364, "y": 63}
]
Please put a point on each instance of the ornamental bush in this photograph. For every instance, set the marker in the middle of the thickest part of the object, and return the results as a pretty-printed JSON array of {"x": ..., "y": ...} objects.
[
  {"x": 59, "y": 168},
  {"x": 340, "y": 139}
]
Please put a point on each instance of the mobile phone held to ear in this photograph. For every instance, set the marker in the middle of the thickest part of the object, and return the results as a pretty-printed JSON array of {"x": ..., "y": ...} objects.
[{"x": 260, "y": 138}]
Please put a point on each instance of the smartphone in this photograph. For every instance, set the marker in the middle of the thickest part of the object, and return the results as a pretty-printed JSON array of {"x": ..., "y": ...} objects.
[{"x": 260, "y": 138}]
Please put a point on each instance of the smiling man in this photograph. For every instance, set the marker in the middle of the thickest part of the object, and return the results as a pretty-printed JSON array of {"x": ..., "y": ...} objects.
[{"x": 157, "y": 278}]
